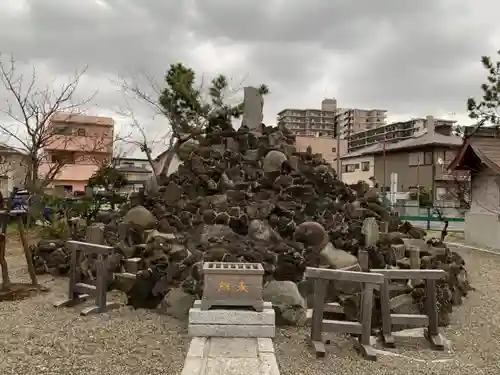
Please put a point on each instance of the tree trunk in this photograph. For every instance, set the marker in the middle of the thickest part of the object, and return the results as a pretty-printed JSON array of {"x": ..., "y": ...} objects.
[
  {"x": 170, "y": 156},
  {"x": 151, "y": 163},
  {"x": 27, "y": 251},
  {"x": 3, "y": 262}
]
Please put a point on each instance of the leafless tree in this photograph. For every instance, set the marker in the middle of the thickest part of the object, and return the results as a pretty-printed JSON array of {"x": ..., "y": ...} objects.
[
  {"x": 139, "y": 137},
  {"x": 29, "y": 106}
]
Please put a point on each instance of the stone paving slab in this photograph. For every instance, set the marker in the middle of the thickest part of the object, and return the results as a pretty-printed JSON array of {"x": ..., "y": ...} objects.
[
  {"x": 231, "y": 330},
  {"x": 231, "y": 317},
  {"x": 230, "y": 356},
  {"x": 231, "y": 323}
]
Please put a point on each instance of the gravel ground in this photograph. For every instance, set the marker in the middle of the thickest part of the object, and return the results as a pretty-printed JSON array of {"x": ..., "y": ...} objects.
[
  {"x": 474, "y": 336},
  {"x": 36, "y": 338}
]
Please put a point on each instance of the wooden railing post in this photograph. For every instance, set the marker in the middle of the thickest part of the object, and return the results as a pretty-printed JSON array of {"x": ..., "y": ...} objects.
[
  {"x": 321, "y": 277},
  {"x": 320, "y": 289},
  {"x": 431, "y": 308},
  {"x": 429, "y": 320},
  {"x": 79, "y": 292}
]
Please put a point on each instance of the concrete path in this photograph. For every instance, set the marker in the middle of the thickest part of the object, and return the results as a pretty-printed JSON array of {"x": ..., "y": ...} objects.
[{"x": 230, "y": 356}]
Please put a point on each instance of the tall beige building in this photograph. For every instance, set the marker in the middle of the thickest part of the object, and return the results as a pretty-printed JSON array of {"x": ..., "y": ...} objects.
[
  {"x": 323, "y": 122},
  {"x": 354, "y": 120},
  {"x": 311, "y": 122}
]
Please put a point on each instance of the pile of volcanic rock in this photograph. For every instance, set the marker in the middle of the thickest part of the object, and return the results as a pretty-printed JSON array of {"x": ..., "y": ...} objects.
[{"x": 243, "y": 196}]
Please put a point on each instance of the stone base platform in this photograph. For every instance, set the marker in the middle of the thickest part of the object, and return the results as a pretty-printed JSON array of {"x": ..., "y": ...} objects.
[
  {"x": 231, "y": 323},
  {"x": 230, "y": 356}
]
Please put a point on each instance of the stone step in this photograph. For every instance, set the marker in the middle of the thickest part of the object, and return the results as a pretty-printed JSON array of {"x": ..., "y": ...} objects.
[
  {"x": 232, "y": 317},
  {"x": 231, "y": 356},
  {"x": 231, "y": 322},
  {"x": 231, "y": 330}
]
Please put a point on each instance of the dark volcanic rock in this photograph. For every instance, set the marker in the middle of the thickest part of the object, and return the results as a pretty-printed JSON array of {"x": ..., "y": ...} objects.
[{"x": 250, "y": 197}]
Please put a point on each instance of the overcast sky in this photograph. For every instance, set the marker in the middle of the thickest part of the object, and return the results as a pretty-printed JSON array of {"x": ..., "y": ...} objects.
[{"x": 413, "y": 58}]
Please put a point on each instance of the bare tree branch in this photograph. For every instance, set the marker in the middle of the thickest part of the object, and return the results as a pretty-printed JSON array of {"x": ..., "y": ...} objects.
[
  {"x": 191, "y": 110},
  {"x": 143, "y": 143},
  {"x": 30, "y": 105}
]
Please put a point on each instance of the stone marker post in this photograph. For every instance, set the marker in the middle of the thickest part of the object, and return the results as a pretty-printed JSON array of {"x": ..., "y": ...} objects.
[
  {"x": 371, "y": 232},
  {"x": 253, "y": 111}
]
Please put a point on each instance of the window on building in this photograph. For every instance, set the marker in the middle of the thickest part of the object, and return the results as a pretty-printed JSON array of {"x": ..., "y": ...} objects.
[
  {"x": 441, "y": 193},
  {"x": 449, "y": 155},
  {"x": 356, "y": 166},
  {"x": 348, "y": 168},
  {"x": 80, "y": 132},
  {"x": 63, "y": 130},
  {"x": 416, "y": 158},
  {"x": 428, "y": 158},
  {"x": 438, "y": 155},
  {"x": 365, "y": 166},
  {"x": 63, "y": 158},
  {"x": 334, "y": 149}
]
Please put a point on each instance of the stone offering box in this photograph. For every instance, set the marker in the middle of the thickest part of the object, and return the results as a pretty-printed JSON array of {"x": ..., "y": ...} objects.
[{"x": 232, "y": 284}]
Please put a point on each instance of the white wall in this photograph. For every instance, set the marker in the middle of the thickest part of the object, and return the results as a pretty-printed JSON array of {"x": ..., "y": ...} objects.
[
  {"x": 485, "y": 194},
  {"x": 13, "y": 169},
  {"x": 174, "y": 165},
  {"x": 482, "y": 222},
  {"x": 125, "y": 162},
  {"x": 358, "y": 174}
]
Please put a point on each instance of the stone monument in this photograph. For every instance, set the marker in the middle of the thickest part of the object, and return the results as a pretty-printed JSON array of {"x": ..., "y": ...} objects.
[{"x": 253, "y": 111}]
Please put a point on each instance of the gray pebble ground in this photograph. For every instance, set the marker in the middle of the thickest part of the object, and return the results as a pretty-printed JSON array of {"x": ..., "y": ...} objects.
[
  {"x": 36, "y": 338},
  {"x": 474, "y": 335}
]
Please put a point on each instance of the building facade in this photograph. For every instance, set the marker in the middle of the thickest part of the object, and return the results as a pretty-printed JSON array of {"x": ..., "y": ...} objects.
[
  {"x": 329, "y": 147},
  {"x": 361, "y": 168},
  {"x": 136, "y": 171},
  {"x": 354, "y": 120},
  {"x": 78, "y": 146},
  {"x": 410, "y": 164},
  {"x": 311, "y": 122},
  {"x": 13, "y": 169},
  {"x": 420, "y": 167},
  {"x": 330, "y": 119},
  {"x": 397, "y": 131}
]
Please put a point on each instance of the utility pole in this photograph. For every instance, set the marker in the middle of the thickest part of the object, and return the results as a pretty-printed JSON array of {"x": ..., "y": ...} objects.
[
  {"x": 433, "y": 182},
  {"x": 418, "y": 181},
  {"x": 339, "y": 165},
  {"x": 385, "y": 169}
]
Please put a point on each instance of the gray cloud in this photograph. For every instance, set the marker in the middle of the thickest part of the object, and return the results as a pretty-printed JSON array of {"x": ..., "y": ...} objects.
[{"x": 409, "y": 57}]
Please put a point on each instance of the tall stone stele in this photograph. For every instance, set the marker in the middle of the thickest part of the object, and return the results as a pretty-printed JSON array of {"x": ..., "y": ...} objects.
[{"x": 253, "y": 111}]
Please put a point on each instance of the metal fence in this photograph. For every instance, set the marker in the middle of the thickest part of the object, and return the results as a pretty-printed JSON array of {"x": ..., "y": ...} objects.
[{"x": 431, "y": 218}]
